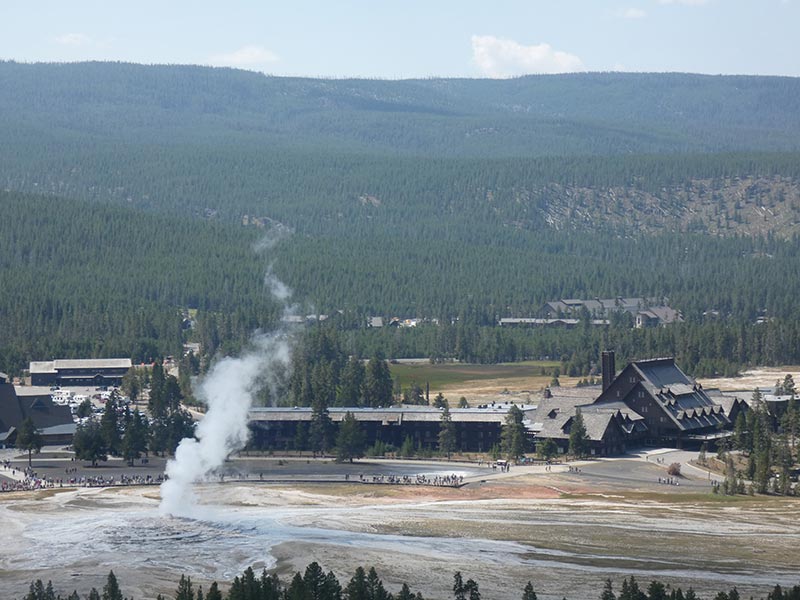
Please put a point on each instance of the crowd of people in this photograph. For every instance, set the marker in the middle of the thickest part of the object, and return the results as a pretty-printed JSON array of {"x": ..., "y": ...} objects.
[
  {"x": 452, "y": 480},
  {"x": 27, "y": 479}
]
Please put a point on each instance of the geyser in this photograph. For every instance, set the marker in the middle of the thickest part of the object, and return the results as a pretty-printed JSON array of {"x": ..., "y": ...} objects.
[{"x": 227, "y": 391}]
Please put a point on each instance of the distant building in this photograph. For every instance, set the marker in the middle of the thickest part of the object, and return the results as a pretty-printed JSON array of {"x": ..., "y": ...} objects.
[
  {"x": 649, "y": 402},
  {"x": 553, "y": 323},
  {"x": 83, "y": 372},
  {"x": 647, "y": 312},
  {"x": 54, "y": 422}
]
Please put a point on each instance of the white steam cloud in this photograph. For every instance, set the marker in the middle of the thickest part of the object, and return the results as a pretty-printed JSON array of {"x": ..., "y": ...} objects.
[{"x": 227, "y": 390}]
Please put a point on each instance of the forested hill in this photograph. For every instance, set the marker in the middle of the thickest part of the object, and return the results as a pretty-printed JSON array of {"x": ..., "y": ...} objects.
[
  {"x": 593, "y": 113},
  {"x": 132, "y": 194}
]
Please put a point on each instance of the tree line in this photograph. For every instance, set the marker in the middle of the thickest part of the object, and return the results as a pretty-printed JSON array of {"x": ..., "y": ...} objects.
[
  {"x": 365, "y": 584},
  {"x": 131, "y": 434}
]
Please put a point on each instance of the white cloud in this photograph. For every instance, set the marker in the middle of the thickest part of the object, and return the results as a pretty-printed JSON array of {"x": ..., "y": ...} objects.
[
  {"x": 73, "y": 39},
  {"x": 684, "y": 2},
  {"x": 247, "y": 57},
  {"x": 497, "y": 57},
  {"x": 632, "y": 13}
]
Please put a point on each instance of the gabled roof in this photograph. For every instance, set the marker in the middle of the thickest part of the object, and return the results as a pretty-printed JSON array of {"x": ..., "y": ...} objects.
[
  {"x": 661, "y": 372},
  {"x": 683, "y": 401},
  {"x": 10, "y": 410},
  {"x": 596, "y": 424},
  {"x": 41, "y": 409}
]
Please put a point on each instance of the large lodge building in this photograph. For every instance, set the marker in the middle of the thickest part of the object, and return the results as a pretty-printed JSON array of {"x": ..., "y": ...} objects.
[{"x": 649, "y": 402}]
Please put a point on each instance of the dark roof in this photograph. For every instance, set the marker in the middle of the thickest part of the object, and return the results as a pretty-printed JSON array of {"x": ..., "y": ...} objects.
[
  {"x": 44, "y": 412},
  {"x": 596, "y": 424},
  {"x": 41, "y": 409},
  {"x": 10, "y": 410},
  {"x": 682, "y": 400},
  {"x": 661, "y": 372}
]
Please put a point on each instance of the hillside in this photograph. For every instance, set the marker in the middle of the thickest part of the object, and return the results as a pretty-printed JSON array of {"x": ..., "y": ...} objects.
[
  {"x": 134, "y": 194},
  {"x": 578, "y": 114}
]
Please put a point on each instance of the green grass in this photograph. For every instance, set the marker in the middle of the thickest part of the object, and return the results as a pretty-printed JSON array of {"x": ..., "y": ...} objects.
[{"x": 448, "y": 374}]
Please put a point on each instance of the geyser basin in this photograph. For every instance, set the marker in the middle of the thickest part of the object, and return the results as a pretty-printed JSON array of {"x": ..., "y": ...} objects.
[{"x": 564, "y": 546}]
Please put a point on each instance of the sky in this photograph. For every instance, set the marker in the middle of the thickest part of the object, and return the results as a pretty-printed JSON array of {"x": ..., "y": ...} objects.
[{"x": 413, "y": 38}]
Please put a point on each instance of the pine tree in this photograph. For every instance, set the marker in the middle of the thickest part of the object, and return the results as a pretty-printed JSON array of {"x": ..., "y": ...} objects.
[
  {"x": 111, "y": 589},
  {"x": 578, "y": 438},
  {"x": 375, "y": 589},
  {"x": 529, "y": 594},
  {"x": 29, "y": 438},
  {"x": 213, "y": 592},
  {"x": 357, "y": 587},
  {"x": 447, "y": 432},
  {"x": 608, "y": 591},
  {"x": 513, "y": 434},
  {"x": 350, "y": 439},
  {"x": 459, "y": 592},
  {"x": 321, "y": 426},
  {"x": 109, "y": 426},
  {"x": 185, "y": 591}
]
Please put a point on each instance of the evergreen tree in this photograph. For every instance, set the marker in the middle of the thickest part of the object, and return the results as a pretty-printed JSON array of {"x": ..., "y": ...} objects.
[
  {"x": 513, "y": 438},
  {"x": 110, "y": 427},
  {"x": 440, "y": 401},
  {"x": 131, "y": 386},
  {"x": 351, "y": 383},
  {"x": 134, "y": 440},
  {"x": 608, "y": 591},
  {"x": 156, "y": 402},
  {"x": 213, "y": 592},
  {"x": 529, "y": 594},
  {"x": 578, "y": 438},
  {"x": 29, "y": 438},
  {"x": 447, "y": 432},
  {"x": 404, "y": 593},
  {"x": 185, "y": 591},
  {"x": 357, "y": 587},
  {"x": 88, "y": 442},
  {"x": 375, "y": 589},
  {"x": 459, "y": 590},
  {"x": 295, "y": 591},
  {"x": 656, "y": 591},
  {"x": 111, "y": 589},
  {"x": 350, "y": 439},
  {"x": 331, "y": 588},
  {"x": 321, "y": 427},
  {"x": 314, "y": 582},
  {"x": 377, "y": 383},
  {"x": 471, "y": 588}
]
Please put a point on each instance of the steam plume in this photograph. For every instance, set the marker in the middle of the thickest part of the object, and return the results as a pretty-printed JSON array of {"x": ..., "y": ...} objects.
[{"x": 228, "y": 391}]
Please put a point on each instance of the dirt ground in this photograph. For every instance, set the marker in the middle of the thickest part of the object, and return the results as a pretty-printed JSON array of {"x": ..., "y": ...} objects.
[
  {"x": 764, "y": 377},
  {"x": 565, "y": 529},
  {"x": 529, "y": 389}
]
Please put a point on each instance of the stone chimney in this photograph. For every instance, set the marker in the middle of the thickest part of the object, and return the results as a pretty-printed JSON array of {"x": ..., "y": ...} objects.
[{"x": 609, "y": 368}]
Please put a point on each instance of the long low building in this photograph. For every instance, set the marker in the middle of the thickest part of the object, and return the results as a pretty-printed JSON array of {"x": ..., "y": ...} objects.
[
  {"x": 477, "y": 429},
  {"x": 80, "y": 372}
]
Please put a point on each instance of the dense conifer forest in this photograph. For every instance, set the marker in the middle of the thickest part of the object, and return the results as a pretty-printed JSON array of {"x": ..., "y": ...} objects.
[{"x": 136, "y": 199}]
